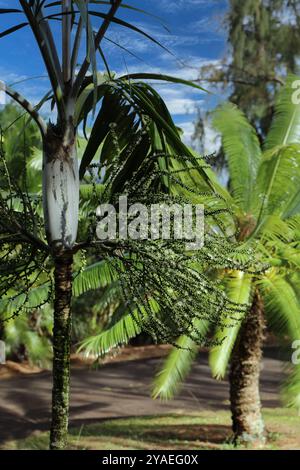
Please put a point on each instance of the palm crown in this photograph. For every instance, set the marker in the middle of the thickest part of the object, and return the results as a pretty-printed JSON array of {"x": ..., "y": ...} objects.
[{"x": 264, "y": 185}]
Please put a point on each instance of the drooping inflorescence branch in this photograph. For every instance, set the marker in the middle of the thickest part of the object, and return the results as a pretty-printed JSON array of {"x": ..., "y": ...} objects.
[
  {"x": 166, "y": 287},
  {"x": 23, "y": 253}
]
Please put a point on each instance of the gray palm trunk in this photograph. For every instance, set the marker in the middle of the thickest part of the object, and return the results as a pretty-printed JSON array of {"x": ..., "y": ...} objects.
[
  {"x": 61, "y": 352},
  {"x": 61, "y": 205},
  {"x": 245, "y": 404}
]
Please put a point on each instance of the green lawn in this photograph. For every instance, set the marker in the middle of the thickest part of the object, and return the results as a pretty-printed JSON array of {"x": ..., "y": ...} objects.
[{"x": 205, "y": 430}]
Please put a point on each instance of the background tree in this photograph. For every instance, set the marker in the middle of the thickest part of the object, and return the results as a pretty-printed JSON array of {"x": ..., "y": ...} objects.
[
  {"x": 263, "y": 44},
  {"x": 266, "y": 207},
  {"x": 115, "y": 107},
  {"x": 21, "y": 141},
  {"x": 29, "y": 337}
]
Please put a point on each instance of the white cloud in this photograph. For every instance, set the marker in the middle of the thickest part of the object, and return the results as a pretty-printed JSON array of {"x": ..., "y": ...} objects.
[
  {"x": 180, "y": 99},
  {"x": 32, "y": 89},
  {"x": 188, "y": 131},
  {"x": 212, "y": 140},
  {"x": 178, "y": 106},
  {"x": 175, "y": 5},
  {"x": 168, "y": 65}
]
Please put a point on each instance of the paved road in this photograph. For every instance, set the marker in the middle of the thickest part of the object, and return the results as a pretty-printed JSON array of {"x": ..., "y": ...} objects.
[{"x": 116, "y": 390}]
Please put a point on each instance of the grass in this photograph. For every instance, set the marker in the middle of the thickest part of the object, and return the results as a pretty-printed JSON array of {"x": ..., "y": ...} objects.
[{"x": 202, "y": 431}]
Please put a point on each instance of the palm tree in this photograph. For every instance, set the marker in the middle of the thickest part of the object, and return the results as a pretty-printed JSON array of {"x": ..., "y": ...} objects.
[
  {"x": 77, "y": 92},
  {"x": 264, "y": 185}
]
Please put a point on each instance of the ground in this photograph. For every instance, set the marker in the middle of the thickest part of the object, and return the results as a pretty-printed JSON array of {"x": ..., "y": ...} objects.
[{"x": 111, "y": 408}]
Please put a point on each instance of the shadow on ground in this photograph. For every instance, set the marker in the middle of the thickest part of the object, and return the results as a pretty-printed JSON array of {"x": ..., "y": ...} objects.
[{"x": 121, "y": 390}]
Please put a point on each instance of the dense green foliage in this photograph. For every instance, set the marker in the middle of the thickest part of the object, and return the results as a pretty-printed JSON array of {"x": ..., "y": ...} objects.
[
  {"x": 266, "y": 210},
  {"x": 263, "y": 44}
]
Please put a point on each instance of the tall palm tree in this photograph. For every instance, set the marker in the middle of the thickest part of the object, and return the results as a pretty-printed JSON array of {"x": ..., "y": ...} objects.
[
  {"x": 80, "y": 96},
  {"x": 264, "y": 185}
]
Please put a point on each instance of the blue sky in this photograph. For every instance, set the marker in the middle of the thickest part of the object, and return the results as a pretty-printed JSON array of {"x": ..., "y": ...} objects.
[{"x": 195, "y": 37}]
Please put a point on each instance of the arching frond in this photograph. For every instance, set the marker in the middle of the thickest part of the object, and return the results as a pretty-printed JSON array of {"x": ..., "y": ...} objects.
[
  {"x": 278, "y": 181},
  {"x": 291, "y": 387},
  {"x": 273, "y": 228},
  {"x": 120, "y": 333},
  {"x": 177, "y": 365},
  {"x": 285, "y": 128},
  {"x": 282, "y": 306},
  {"x": 283, "y": 312},
  {"x": 239, "y": 290},
  {"x": 242, "y": 150},
  {"x": 29, "y": 300},
  {"x": 94, "y": 276}
]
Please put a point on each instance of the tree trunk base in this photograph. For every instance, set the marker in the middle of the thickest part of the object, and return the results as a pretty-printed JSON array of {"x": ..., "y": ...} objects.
[
  {"x": 61, "y": 352},
  {"x": 247, "y": 420}
]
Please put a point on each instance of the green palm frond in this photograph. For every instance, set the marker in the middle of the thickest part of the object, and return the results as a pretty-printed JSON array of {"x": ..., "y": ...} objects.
[
  {"x": 282, "y": 305},
  {"x": 242, "y": 150},
  {"x": 283, "y": 312},
  {"x": 285, "y": 128},
  {"x": 32, "y": 299},
  {"x": 239, "y": 290},
  {"x": 273, "y": 228},
  {"x": 97, "y": 275},
  {"x": 278, "y": 181},
  {"x": 289, "y": 256},
  {"x": 127, "y": 323},
  {"x": 117, "y": 335},
  {"x": 290, "y": 391},
  {"x": 278, "y": 176},
  {"x": 112, "y": 296},
  {"x": 178, "y": 364},
  {"x": 125, "y": 106}
]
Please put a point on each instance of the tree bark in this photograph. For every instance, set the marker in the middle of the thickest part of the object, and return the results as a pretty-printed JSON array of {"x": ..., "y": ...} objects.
[
  {"x": 61, "y": 351},
  {"x": 247, "y": 421},
  {"x": 61, "y": 187}
]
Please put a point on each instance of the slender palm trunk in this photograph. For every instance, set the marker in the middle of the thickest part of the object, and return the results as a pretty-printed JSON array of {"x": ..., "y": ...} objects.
[
  {"x": 61, "y": 351},
  {"x": 61, "y": 205},
  {"x": 248, "y": 425},
  {"x": 61, "y": 187}
]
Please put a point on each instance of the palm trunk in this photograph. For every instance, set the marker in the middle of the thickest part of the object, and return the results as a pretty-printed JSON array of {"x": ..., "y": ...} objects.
[
  {"x": 61, "y": 188},
  {"x": 248, "y": 425},
  {"x": 61, "y": 352},
  {"x": 61, "y": 206}
]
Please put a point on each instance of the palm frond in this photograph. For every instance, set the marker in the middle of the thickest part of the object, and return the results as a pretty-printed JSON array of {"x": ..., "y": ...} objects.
[
  {"x": 290, "y": 391},
  {"x": 117, "y": 335},
  {"x": 127, "y": 105},
  {"x": 48, "y": 50},
  {"x": 239, "y": 290},
  {"x": 242, "y": 150},
  {"x": 97, "y": 275},
  {"x": 111, "y": 297},
  {"x": 282, "y": 306},
  {"x": 278, "y": 181},
  {"x": 29, "y": 300},
  {"x": 285, "y": 128},
  {"x": 177, "y": 365},
  {"x": 283, "y": 312},
  {"x": 273, "y": 228}
]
